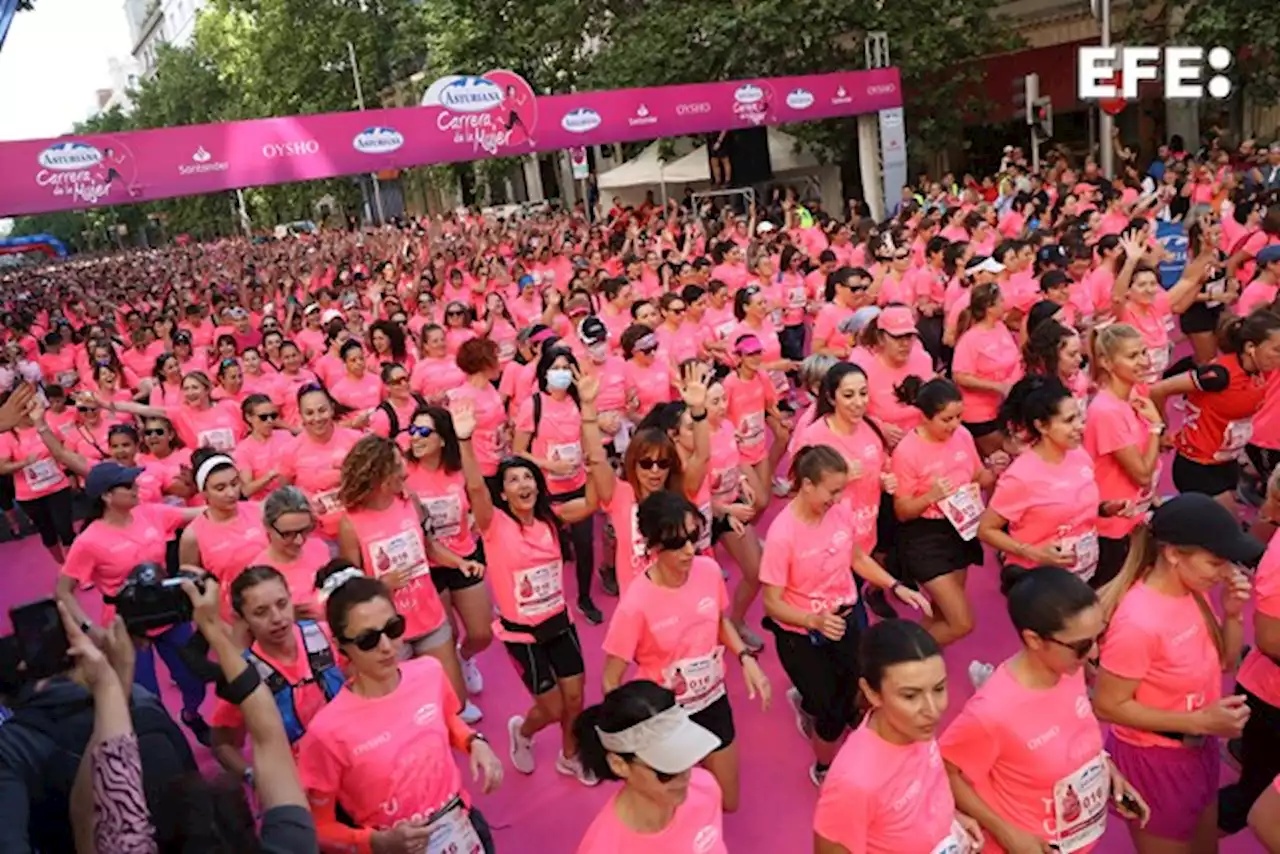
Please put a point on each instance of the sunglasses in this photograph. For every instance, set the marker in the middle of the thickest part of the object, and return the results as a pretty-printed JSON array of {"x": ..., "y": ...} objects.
[
  {"x": 455, "y": 313},
  {"x": 156, "y": 431},
  {"x": 1079, "y": 648},
  {"x": 228, "y": 363},
  {"x": 370, "y": 638},
  {"x": 421, "y": 431},
  {"x": 676, "y": 543},
  {"x": 268, "y": 416},
  {"x": 651, "y": 464},
  {"x": 398, "y": 381},
  {"x": 300, "y": 534}
]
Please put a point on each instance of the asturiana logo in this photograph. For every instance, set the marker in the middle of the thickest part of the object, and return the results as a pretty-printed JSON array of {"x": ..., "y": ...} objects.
[
  {"x": 378, "y": 140},
  {"x": 581, "y": 120},
  {"x": 800, "y": 99},
  {"x": 69, "y": 156},
  {"x": 471, "y": 95},
  {"x": 1181, "y": 68},
  {"x": 748, "y": 93}
]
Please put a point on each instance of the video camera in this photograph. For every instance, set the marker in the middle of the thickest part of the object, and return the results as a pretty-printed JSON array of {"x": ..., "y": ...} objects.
[{"x": 150, "y": 599}]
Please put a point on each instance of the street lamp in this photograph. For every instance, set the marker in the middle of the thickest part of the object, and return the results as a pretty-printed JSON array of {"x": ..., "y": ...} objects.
[{"x": 355, "y": 75}]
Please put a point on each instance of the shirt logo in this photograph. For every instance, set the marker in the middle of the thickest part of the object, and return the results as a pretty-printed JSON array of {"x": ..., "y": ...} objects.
[
  {"x": 425, "y": 714},
  {"x": 705, "y": 839}
]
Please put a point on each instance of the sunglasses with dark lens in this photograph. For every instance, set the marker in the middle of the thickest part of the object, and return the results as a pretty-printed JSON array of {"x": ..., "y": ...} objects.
[
  {"x": 675, "y": 544},
  {"x": 1080, "y": 648},
  {"x": 454, "y": 313},
  {"x": 650, "y": 464},
  {"x": 370, "y": 638},
  {"x": 658, "y": 775},
  {"x": 421, "y": 431},
  {"x": 156, "y": 431},
  {"x": 228, "y": 363},
  {"x": 402, "y": 380},
  {"x": 80, "y": 408},
  {"x": 300, "y": 534},
  {"x": 268, "y": 416}
]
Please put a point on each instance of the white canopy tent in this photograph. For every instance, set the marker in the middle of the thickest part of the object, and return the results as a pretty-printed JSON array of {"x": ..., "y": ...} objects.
[{"x": 646, "y": 171}]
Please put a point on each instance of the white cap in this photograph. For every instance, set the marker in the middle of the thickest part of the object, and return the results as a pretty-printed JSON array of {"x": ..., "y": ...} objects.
[
  {"x": 330, "y": 314},
  {"x": 765, "y": 227},
  {"x": 986, "y": 265}
]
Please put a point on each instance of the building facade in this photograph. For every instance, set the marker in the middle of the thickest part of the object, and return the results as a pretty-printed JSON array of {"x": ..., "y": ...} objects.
[{"x": 153, "y": 23}]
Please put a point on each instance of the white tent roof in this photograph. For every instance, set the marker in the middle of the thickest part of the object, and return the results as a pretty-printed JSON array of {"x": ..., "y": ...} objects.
[
  {"x": 647, "y": 169},
  {"x": 786, "y": 154}
]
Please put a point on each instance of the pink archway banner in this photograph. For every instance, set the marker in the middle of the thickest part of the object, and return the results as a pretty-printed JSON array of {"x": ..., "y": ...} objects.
[{"x": 461, "y": 118}]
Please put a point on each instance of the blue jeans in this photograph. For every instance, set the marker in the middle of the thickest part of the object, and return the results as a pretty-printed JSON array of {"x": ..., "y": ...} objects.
[{"x": 168, "y": 644}]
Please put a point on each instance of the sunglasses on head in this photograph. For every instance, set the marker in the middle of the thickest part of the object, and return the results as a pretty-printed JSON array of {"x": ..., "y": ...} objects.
[
  {"x": 650, "y": 464},
  {"x": 370, "y": 638},
  {"x": 421, "y": 431}
]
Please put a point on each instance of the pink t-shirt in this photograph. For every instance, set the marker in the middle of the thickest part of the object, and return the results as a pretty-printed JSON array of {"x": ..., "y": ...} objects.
[
  {"x": 386, "y": 759},
  {"x": 918, "y": 461},
  {"x": 391, "y": 540},
  {"x": 883, "y": 798},
  {"x": 697, "y": 825},
  {"x": 359, "y": 394},
  {"x": 724, "y": 469},
  {"x": 678, "y": 344},
  {"x": 748, "y": 401},
  {"x": 226, "y": 548},
  {"x": 1035, "y": 757},
  {"x": 219, "y": 427},
  {"x": 525, "y": 569},
  {"x": 299, "y": 574},
  {"x": 673, "y": 634},
  {"x": 1154, "y": 322},
  {"x": 631, "y": 557},
  {"x": 492, "y": 438},
  {"x": 1162, "y": 643},
  {"x": 811, "y": 563},
  {"x": 444, "y": 497},
  {"x": 258, "y": 457},
  {"x": 883, "y": 379},
  {"x": 865, "y": 454},
  {"x": 558, "y": 437},
  {"x": 649, "y": 385},
  {"x": 1259, "y": 674},
  {"x": 316, "y": 469},
  {"x": 1266, "y": 423},
  {"x": 826, "y": 328},
  {"x": 105, "y": 554},
  {"x": 991, "y": 355},
  {"x": 1113, "y": 425},
  {"x": 1047, "y": 503},
  {"x": 432, "y": 378},
  {"x": 39, "y": 478}
]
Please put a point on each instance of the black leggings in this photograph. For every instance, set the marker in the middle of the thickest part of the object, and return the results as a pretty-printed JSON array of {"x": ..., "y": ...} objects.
[
  {"x": 51, "y": 514},
  {"x": 1259, "y": 764},
  {"x": 582, "y": 535}
]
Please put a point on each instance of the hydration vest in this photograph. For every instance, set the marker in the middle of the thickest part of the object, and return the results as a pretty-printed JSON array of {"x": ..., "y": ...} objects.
[{"x": 324, "y": 672}]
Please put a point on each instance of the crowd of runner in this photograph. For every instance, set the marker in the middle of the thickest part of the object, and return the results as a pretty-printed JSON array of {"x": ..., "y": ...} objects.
[{"x": 390, "y": 448}]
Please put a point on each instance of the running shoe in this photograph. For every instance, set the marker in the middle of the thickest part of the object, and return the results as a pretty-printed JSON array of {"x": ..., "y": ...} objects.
[
  {"x": 471, "y": 714},
  {"x": 521, "y": 747},
  {"x": 980, "y": 672},
  {"x": 589, "y": 610},
  {"x": 471, "y": 675},
  {"x": 804, "y": 723},
  {"x": 572, "y": 767},
  {"x": 609, "y": 580}
]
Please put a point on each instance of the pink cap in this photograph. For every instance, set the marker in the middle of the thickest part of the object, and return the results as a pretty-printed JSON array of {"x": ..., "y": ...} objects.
[{"x": 897, "y": 321}]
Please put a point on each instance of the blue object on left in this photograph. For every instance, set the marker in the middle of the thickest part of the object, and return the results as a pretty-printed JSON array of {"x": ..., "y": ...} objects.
[
  {"x": 1173, "y": 237},
  {"x": 8, "y": 8}
]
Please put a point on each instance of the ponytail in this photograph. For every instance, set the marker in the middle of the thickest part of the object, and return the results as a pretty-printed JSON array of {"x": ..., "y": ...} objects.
[{"x": 1235, "y": 333}]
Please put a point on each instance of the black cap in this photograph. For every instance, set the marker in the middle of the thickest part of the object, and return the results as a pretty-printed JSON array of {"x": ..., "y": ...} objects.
[
  {"x": 105, "y": 477},
  {"x": 1194, "y": 519},
  {"x": 1052, "y": 253},
  {"x": 592, "y": 330}
]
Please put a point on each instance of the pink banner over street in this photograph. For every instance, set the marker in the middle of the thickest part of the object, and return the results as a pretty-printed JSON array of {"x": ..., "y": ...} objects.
[{"x": 462, "y": 118}]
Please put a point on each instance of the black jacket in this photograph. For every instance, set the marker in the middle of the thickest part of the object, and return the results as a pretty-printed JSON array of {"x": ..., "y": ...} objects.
[{"x": 40, "y": 751}]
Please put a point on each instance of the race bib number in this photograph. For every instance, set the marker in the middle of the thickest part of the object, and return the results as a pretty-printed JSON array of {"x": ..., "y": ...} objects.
[
  {"x": 697, "y": 682},
  {"x": 955, "y": 842},
  {"x": 751, "y": 429},
  {"x": 725, "y": 486},
  {"x": 963, "y": 508},
  {"x": 506, "y": 350},
  {"x": 1085, "y": 549},
  {"x": 1159, "y": 363},
  {"x": 776, "y": 316},
  {"x": 327, "y": 503},
  {"x": 1214, "y": 290},
  {"x": 1080, "y": 805},
  {"x": 780, "y": 383},
  {"x": 453, "y": 833},
  {"x": 1234, "y": 437},
  {"x": 569, "y": 453},
  {"x": 400, "y": 553},
  {"x": 66, "y": 379},
  {"x": 704, "y": 538},
  {"x": 220, "y": 439},
  {"x": 797, "y": 297},
  {"x": 539, "y": 591},
  {"x": 445, "y": 513},
  {"x": 41, "y": 475},
  {"x": 502, "y": 439}
]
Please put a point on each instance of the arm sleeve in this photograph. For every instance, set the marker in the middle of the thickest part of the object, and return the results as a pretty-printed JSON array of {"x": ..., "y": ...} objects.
[{"x": 121, "y": 819}]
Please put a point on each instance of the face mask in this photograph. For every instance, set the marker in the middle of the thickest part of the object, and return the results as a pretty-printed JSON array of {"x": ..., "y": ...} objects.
[
  {"x": 598, "y": 352},
  {"x": 559, "y": 378}
]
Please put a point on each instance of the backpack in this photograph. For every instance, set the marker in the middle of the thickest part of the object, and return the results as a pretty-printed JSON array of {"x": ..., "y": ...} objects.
[
  {"x": 324, "y": 672},
  {"x": 393, "y": 420}
]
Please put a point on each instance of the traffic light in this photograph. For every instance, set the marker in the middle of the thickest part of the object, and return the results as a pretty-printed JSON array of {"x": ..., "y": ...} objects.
[
  {"x": 1025, "y": 92},
  {"x": 1043, "y": 125}
]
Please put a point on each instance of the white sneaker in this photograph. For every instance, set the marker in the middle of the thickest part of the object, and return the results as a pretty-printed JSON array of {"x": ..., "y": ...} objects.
[
  {"x": 804, "y": 723},
  {"x": 781, "y": 487},
  {"x": 573, "y": 768},
  {"x": 471, "y": 675},
  {"x": 471, "y": 714},
  {"x": 521, "y": 747},
  {"x": 979, "y": 672}
]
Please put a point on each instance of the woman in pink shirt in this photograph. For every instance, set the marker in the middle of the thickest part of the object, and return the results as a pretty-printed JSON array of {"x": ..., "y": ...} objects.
[
  {"x": 198, "y": 420},
  {"x": 640, "y": 735},
  {"x": 313, "y": 460},
  {"x": 458, "y": 326},
  {"x": 381, "y": 532},
  {"x": 289, "y": 523},
  {"x": 357, "y": 389},
  {"x": 292, "y": 378},
  {"x": 1138, "y": 299},
  {"x": 392, "y": 416},
  {"x": 1046, "y": 507},
  {"x": 381, "y": 749},
  {"x": 1162, "y": 665},
  {"x": 1025, "y": 754},
  {"x": 1122, "y": 435},
  {"x": 808, "y": 570},
  {"x": 892, "y": 352},
  {"x": 229, "y": 533},
  {"x": 887, "y": 791},
  {"x": 258, "y": 453},
  {"x": 387, "y": 346},
  {"x": 846, "y": 292},
  {"x": 664, "y": 626},
  {"x": 649, "y": 378},
  {"x": 525, "y": 548},
  {"x": 937, "y": 500},
  {"x": 166, "y": 388},
  {"x": 478, "y": 361},
  {"x": 41, "y": 487},
  {"x": 436, "y": 371},
  {"x": 753, "y": 410},
  {"x": 751, "y": 308},
  {"x": 1053, "y": 349},
  {"x": 986, "y": 364}
]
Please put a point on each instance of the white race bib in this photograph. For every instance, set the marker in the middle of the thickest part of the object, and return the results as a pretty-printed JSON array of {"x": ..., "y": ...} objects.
[
  {"x": 567, "y": 453},
  {"x": 751, "y": 429},
  {"x": 327, "y": 502},
  {"x": 723, "y": 330},
  {"x": 1080, "y": 805},
  {"x": 955, "y": 842},
  {"x": 445, "y": 513},
  {"x": 399, "y": 553},
  {"x": 1236, "y": 435},
  {"x": 963, "y": 508},
  {"x": 704, "y": 539},
  {"x": 506, "y": 350},
  {"x": 539, "y": 590},
  {"x": 797, "y": 297},
  {"x": 1214, "y": 290},
  {"x": 726, "y": 485},
  {"x": 1085, "y": 549},
  {"x": 697, "y": 682},
  {"x": 1159, "y": 363},
  {"x": 780, "y": 383},
  {"x": 67, "y": 379},
  {"x": 220, "y": 439},
  {"x": 453, "y": 833},
  {"x": 41, "y": 475}
]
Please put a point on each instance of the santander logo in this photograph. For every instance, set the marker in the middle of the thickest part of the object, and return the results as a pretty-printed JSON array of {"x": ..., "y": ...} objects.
[
  {"x": 642, "y": 117},
  {"x": 378, "y": 140},
  {"x": 581, "y": 120},
  {"x": 69, "y": 156},
  {"x": 297, "y": 148},
  {"x": 202, "y": 161},
  {"x": 471, "y": 95}
]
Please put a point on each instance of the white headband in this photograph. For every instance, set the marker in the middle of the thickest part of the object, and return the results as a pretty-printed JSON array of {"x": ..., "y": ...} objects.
[
  {"x": 207, "y": 467},
  {"x": 333, "y": 582}
]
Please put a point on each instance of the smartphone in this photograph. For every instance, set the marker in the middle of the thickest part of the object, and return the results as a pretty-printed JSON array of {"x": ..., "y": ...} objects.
[{"x": 42, "y": 641}]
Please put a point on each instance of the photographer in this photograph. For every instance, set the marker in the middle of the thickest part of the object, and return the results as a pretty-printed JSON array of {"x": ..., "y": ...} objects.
[{"x": 41, "y": 747}]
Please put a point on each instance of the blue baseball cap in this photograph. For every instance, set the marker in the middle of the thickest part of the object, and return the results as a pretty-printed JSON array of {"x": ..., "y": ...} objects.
[
  {"x": 105, "y": 477},
  {"x": 1269, "y": 255}
]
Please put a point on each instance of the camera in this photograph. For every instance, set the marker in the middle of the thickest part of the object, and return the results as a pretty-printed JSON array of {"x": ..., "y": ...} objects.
[{"x": 151, "y": 599}]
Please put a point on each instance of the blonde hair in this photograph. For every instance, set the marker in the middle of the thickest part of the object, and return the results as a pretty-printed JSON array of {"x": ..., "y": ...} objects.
[
  {"x": 1144, "y": 554},
  {"x": 1105, "y": 342}
]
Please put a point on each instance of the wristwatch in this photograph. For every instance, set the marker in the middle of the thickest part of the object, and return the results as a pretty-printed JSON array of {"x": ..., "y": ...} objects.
[{"x": 473, "y": 738}]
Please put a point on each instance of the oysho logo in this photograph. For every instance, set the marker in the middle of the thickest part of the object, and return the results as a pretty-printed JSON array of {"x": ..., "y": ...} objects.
[
  {"x": 299, "y": 148},
  {"x": 581, "y": 120},
  {"x": 69, "y": 156},
  {"x": 882, "y": 89},
  {"x": 693, "y": 109},
  {"x": 372, "y": 744},
  {"x": 643, "y": 117},
  {"x": 471, "y": 95},
  {"x": 800, "y": 99},
  {"x": 378, "y": 140},
  {"x": 201, "y": 162}
]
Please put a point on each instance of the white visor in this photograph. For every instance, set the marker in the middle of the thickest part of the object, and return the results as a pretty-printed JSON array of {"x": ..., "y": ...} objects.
[{"x": 669, "y": 742}]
